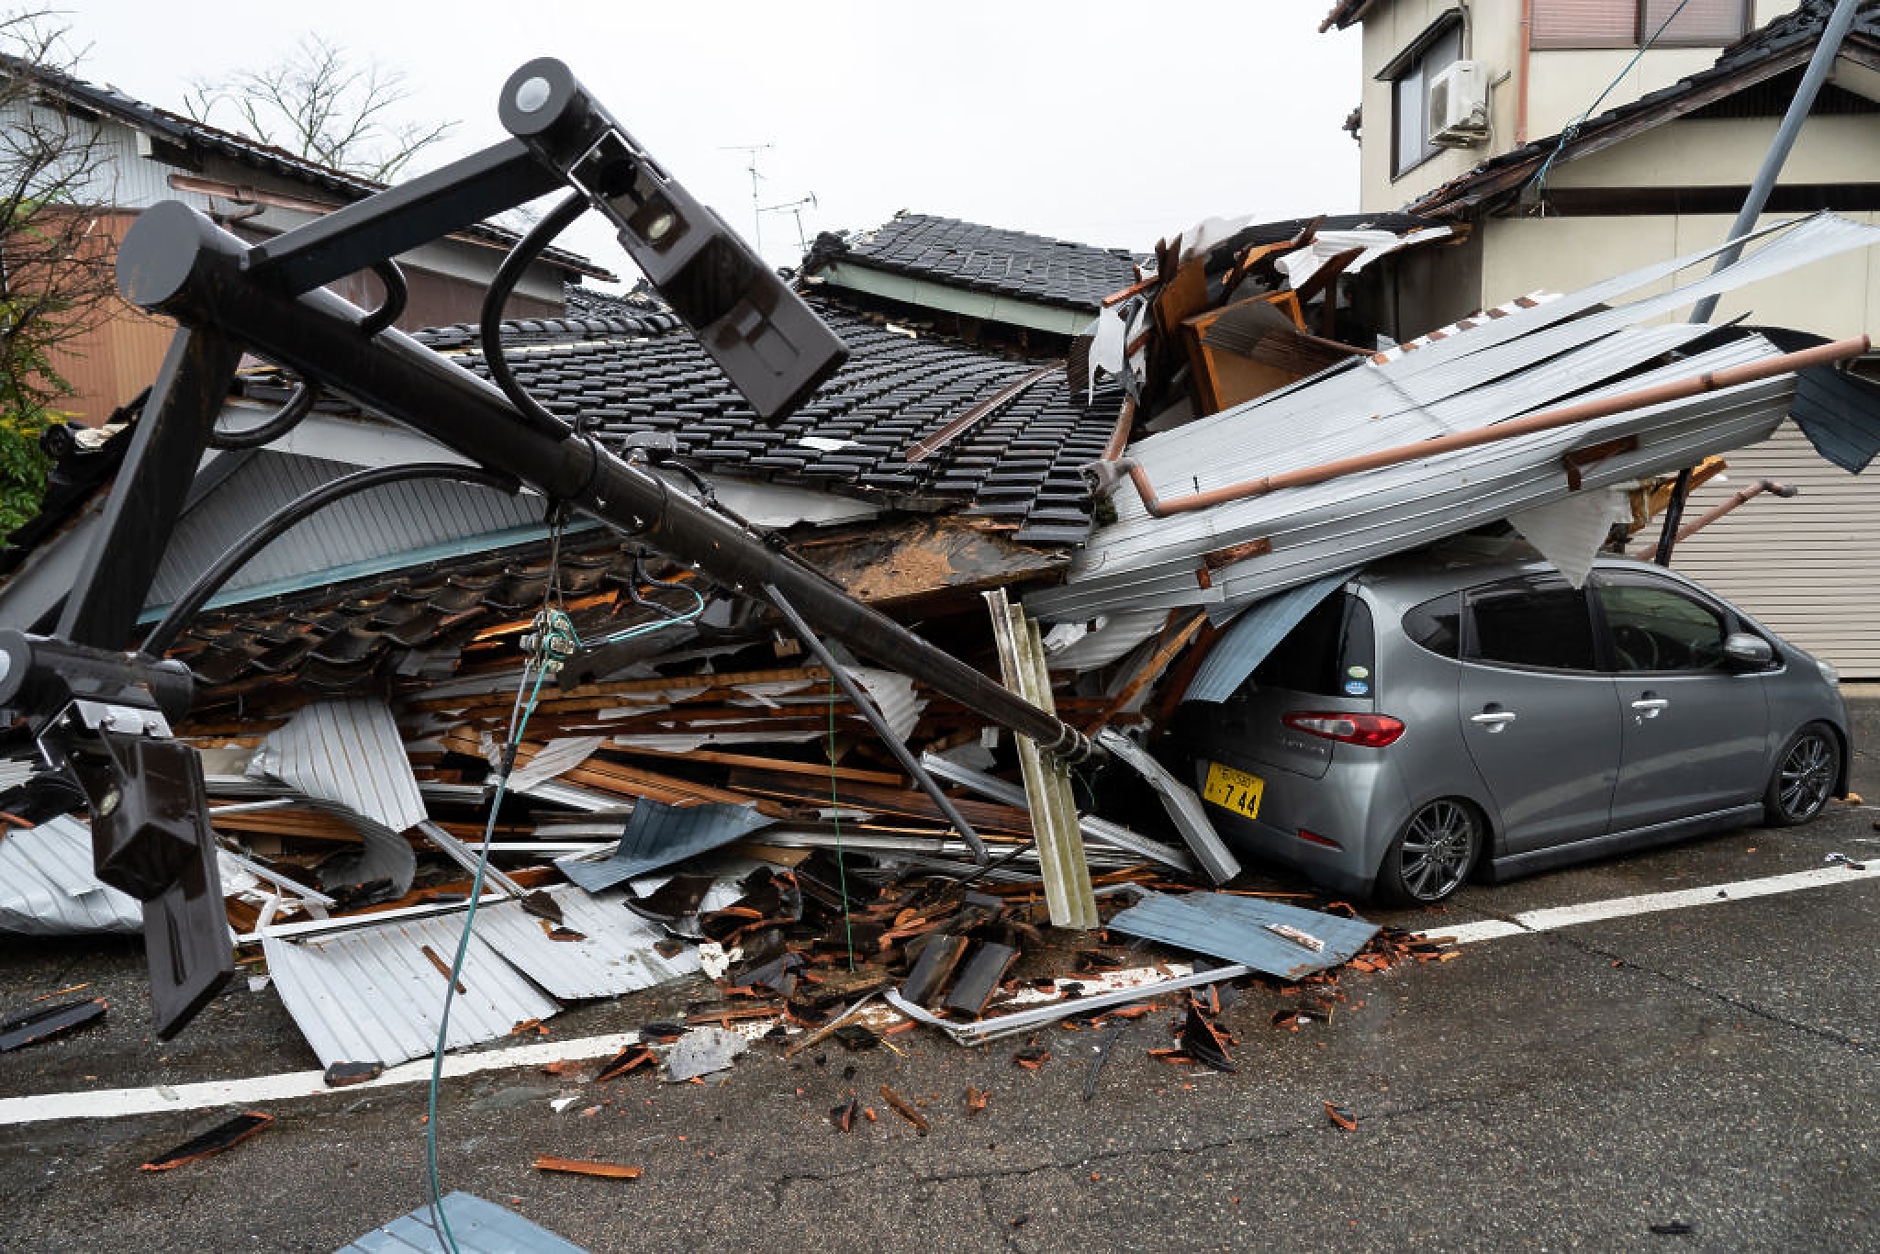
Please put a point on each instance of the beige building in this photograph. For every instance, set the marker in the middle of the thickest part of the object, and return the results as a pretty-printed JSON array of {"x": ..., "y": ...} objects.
[{"x": 1581, "y": 138}]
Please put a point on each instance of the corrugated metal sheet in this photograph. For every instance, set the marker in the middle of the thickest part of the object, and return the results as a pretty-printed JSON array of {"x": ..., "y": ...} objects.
[
  {"x": 1836, "y": 411},
  {"x": 372, "y": 995},
  {"x": 554, "y": 758},
  {"x": 384, "y": 522},
  {"x": 615, "y": 954},
  {"x": 476, "y": 1227},
  {"x": 1098, "y": 829},
  {"x": 1115, "y": 635},
  {"x": 349, "y": 753},
  {"x": 894, "y": 696},
  {"x": 47, "y": 887},
  {"x": 658, "y": 835},
  {"x": 1253, "y": 635},
  {"x": 1237, "y": 929},
  {"x": 1328, "y": 526},
  {"x": 1465, "y": 381},
  {"x": 1184, "y": 808}
]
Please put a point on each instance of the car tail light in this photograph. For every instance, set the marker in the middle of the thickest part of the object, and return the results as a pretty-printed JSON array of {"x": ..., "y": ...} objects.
[
  {"x": 1317, "y": 839},
  {"x": 1373, "y": 730}
]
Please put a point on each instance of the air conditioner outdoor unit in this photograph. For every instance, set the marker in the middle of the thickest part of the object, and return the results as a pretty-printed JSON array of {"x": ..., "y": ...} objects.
[{"x": 1459, "y": 105}]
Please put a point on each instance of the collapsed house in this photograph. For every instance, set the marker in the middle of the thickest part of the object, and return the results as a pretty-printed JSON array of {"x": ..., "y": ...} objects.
[{"x": 1070, "y": 468}]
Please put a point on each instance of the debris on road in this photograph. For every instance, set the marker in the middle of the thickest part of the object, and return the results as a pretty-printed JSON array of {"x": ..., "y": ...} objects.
[
  {"x": 1342, "y": 1117},
  {"x": 585, "y": 1167},
  {"x": 341, "y": 1074},
  {"x": 475, "y": 1224},
  {"x": 35, "y": 1024},
  {"x": 702, "y": 1051},
  {"x": 224, "y": 1136},
  {"x": 901, "y": 1107}
]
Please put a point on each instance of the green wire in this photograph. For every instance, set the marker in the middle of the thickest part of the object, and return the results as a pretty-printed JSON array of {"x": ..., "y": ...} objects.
[
  {"x": 517, "y": 727},
  {"x": 835, "y": 813},
  {"x": 456, "y": 969},
  {"x": 644, "y": 628}
]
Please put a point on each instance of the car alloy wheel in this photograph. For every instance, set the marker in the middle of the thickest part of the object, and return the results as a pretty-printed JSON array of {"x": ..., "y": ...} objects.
[
  {"x": 1805, "y": 777},
  {"x": 1435, "y": 851}
]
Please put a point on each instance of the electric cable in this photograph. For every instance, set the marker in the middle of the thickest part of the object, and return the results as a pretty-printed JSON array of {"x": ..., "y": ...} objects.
[
  {"x": 1572, "y": 129},
  {"x": 490, "y": 322},
  {"x": 518, "y": 722},
  {"x": 298, "y": 405},
  {"x": 545, "y": 658},
  {"x": 237, "y": 555},
  {"x": 397, "y": 292}
]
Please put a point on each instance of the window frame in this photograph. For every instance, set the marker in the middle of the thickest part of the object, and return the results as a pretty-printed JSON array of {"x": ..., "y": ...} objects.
[
  {"x": 1640, "y": 32},
  {"x": 1469, "y": 647},
  {"x": 1414, "y": 59},
  {"x": 1733, "y": 622}
]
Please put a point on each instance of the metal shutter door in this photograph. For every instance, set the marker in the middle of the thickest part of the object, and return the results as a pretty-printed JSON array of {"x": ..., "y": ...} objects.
[{"x": 1808, "y": 567}]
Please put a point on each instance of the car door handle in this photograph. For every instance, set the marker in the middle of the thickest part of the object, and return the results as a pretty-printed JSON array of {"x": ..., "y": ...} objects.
[
  {"x": 1493, "y": 720},
  {"x": 1648, "y": 707}
]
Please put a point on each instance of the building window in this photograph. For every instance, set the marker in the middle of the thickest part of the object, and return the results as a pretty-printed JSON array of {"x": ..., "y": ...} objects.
[
  {"x": 1629, "y": 23},
  {"x": 1409, "y": 76}
]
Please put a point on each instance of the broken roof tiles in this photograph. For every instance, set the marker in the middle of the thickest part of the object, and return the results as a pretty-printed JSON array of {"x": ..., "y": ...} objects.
[
  {"x": 1021, "y": 461},
  {"x": 1019, "y": 264}
]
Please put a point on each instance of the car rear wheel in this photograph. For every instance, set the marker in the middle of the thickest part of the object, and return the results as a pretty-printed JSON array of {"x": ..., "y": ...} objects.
[
  {"x": 1804, "y": 777},
  {"x": 1432, "y": 855}
]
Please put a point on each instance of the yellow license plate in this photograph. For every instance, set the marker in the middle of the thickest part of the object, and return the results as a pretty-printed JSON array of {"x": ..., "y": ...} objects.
[{"x": 1233, "y": 790}]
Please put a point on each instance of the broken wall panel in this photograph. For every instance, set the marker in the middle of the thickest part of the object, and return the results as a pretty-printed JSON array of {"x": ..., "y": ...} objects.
[
  {"x": 349, "y": 753},
  {"x": 658, "y": 835},
  {"x": 1243, "y": 930},
  {"x": 47, "y": 887},
  {"x": 372, "y": 993},
  {"x": 610, "y": 949}
]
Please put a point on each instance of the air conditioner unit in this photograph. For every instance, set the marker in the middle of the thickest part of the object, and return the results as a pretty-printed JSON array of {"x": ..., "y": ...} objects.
[{"x": 1459, "y": 105}]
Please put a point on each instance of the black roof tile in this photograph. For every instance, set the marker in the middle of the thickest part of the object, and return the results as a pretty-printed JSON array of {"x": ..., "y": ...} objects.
[
  {"x": 1031, "y": 267},
  {"x": 643, "y": 372}
]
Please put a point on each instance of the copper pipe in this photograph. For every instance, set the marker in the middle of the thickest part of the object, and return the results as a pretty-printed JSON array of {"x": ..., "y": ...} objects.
[
  {"x": 1525, "y": 60},
  {"x": 1119, "y": 435},
  {"x": 1547, "y": 420},
  {"x": 1690, "y": 529}
]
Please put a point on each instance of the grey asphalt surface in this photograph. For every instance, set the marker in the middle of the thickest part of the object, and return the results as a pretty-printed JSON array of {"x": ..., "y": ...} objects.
[{"x": 1714, "y": 1067}]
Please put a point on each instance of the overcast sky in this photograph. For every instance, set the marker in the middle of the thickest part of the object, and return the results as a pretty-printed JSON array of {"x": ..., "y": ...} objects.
[{"x": 1107, "y": 123}]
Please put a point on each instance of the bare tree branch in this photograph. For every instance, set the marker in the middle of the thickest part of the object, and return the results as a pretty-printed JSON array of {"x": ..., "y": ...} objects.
[
  {"x": 56, "y": 273},
  {"x": 320, "y": 105}
]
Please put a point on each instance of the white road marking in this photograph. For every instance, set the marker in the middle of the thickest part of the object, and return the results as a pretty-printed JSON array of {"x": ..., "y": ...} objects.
[
  {"x": 155, "y": 1099},
  {"x": 1652, "y": 903}
]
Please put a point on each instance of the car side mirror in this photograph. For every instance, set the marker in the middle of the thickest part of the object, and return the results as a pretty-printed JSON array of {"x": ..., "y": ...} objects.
[{"x": 1747, "y": 652}]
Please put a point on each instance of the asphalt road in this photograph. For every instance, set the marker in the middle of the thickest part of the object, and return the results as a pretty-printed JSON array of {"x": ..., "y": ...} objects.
[{"x": 1712, "y": 1067}]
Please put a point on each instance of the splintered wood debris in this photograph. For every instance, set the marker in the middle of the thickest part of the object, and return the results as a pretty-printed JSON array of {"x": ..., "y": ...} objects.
[{"x": 586, "y": 1167}]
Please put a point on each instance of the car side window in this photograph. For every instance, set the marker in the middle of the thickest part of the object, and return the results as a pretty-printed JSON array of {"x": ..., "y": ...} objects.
[
  {"x": 1530, "y": 622},
  {"x": 1657, "y": 628},
  {"x": 1437, "y": 625}
]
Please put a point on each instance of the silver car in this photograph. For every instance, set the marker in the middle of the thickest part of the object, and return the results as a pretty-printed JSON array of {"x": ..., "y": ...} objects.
[{"x": 1436, "y": 717}]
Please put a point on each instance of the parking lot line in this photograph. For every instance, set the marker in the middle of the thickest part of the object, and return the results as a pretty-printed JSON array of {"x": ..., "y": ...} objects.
[{"x": 154, "y": 1099}]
